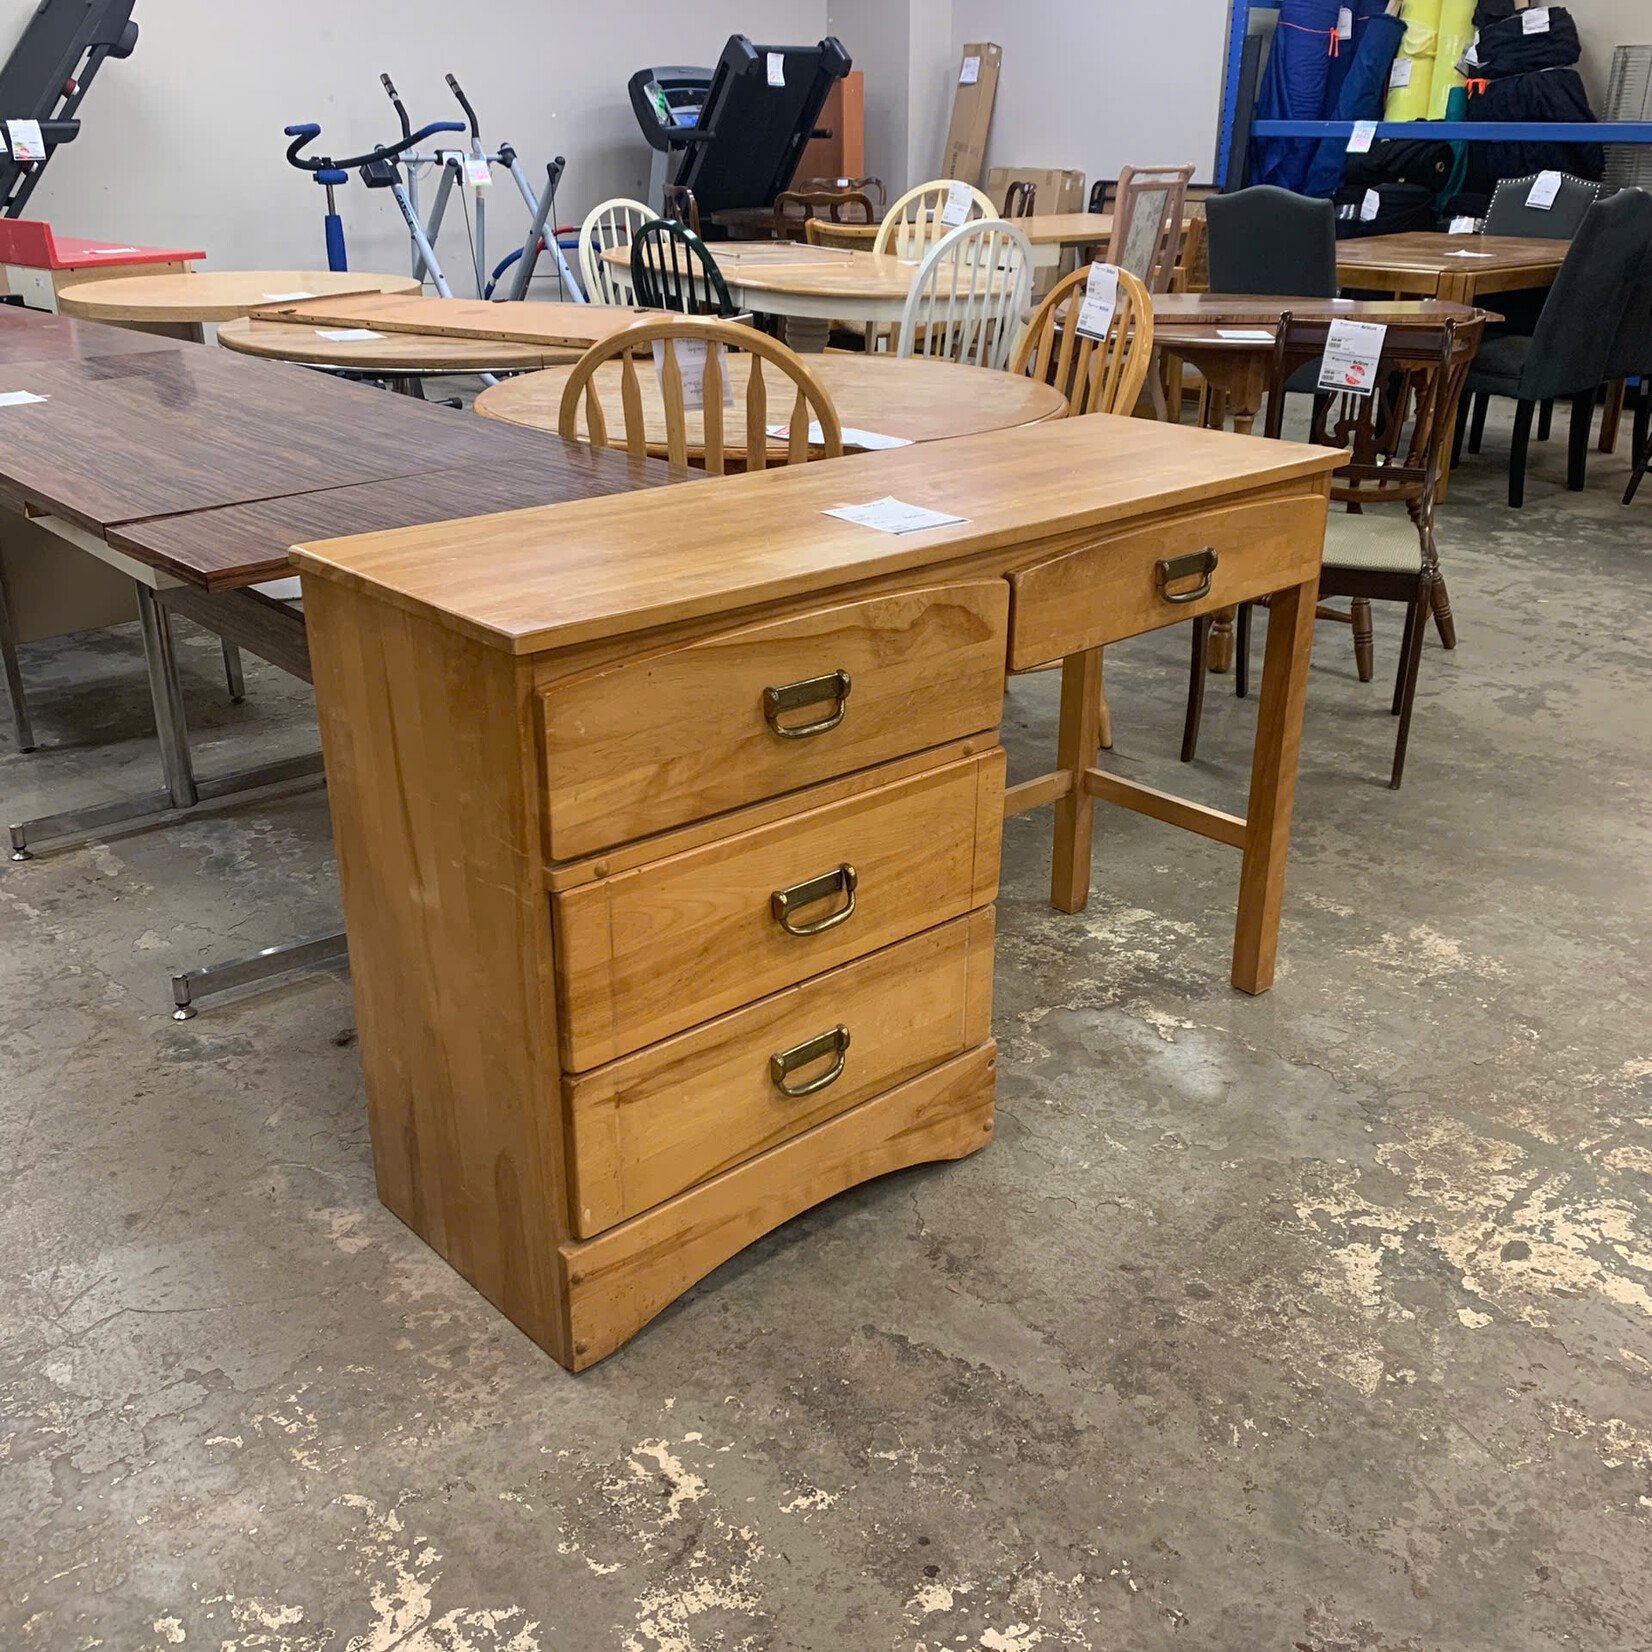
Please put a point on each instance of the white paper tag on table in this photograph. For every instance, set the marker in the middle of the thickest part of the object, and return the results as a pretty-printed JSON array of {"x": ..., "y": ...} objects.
[
  {"x": 347, "y": 335},
  {"x": 108, "y": 252},
  {"x": 1464, "y": 226},
  {"x": 25, "y": 141},
  {"x": 19, "y": 398},
  {"x": 286, "y": 298},
  {"x": 777, "y": 68},
  {"x": 1545, "y": 188},
  {"x": 1400, "y": 74},
  {"x": 1245, "y": 335},
  {"x": 692, "y": 354},
  {"x": 1352, "y": 351},
  {"x": 1345, "y": 24},
  {"x": 478, "y": 174},
  {"x": 971, "y": 71},
  {"x": 1535, "y": 21},
  {"x": 868, "y": 441},
  {"x": 1370, "y": 207},
  {"x": 890, "y": 515},
  {"x": 959, "y": 200},
  {"x": 1471, "y": 255},
  {"x": 1362, "y": 137},
  {"x": 1101, "y": 299}
]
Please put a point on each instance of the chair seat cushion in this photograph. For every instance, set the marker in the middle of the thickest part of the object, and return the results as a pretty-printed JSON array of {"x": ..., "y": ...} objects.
[
  {"x": 1499, "y": 364},
  {"x": 1378, "y": 541}
]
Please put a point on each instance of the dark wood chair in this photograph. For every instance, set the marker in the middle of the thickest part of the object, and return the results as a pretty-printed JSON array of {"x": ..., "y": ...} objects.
[
  {"x": 1020, "y": 199},
  {"x": 1379, "y": 540},
  {"x": 679, "y": 203},
  {"x": 793, "y": 208},
  {"x": 672, "y": 269}
]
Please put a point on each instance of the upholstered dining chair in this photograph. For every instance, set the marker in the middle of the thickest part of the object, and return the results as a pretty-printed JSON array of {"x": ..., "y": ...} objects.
[{"x": 1268, "y": 240}]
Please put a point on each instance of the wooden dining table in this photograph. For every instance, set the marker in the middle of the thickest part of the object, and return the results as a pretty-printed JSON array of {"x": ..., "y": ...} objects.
[
  {"x": 1051, "y": 233},
  {"x": 913, "y": 399},
  {"x": 1457, "y": 268}
]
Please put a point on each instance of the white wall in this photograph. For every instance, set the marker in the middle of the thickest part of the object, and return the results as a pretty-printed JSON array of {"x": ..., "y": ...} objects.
[
  {"x": 182, "y": 142},
  {"x": 1602, "y": 26}
]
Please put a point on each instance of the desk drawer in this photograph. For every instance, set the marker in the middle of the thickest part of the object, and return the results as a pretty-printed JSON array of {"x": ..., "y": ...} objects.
[
  {"x": 659, "y": 1121},
  {"x": 1115, "y": 588},
  {"x": 650, "y": 743},
  {"x": 645, "y": 953}
]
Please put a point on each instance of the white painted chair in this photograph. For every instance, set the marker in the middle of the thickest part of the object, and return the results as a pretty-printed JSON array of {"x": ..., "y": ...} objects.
[
  {"x": 969, "y": 299},
  {"x": 612, "y": 224},
  {"x": 913, "y": 224}
]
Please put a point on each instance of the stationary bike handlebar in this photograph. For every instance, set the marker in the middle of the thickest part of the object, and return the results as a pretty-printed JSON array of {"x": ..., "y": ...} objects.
[
  {"x": 309, "y": 132},
  {"x": 464, "y": 103}
]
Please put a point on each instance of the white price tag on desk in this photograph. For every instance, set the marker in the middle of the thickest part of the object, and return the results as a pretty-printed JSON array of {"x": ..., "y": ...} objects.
[
  {"x": 958, "y": 202},
  {"x": 1545, "y": 188},
  {"x": 25, "y": 141},
  {"x": 347, "y": 335},
  {"x": 1535, "y": 21},
  {"x": 286, "y": 298},
  {"x": 868, "y": 441},
  {"x": 1471, "y": 255},
  {"x": 1363, "y": 136},
  {"x": 1245, "y": 335},
  {"x": 1101, "y": 299},
  {"x": 971, "y": 71},
  {"x": 1370, "y": 207},
  {"x": 692, "y": 355},
  {"x": 19, "y": 398},
  {"x": 1400, "y": 74},
  {"x": 1464, "y": 226},
  {"x": 1352, "y": 351},
  {"x": 777, "y": 68},
  {"x": 890, "y": 515},
  {"x": 478, "y": 174}
]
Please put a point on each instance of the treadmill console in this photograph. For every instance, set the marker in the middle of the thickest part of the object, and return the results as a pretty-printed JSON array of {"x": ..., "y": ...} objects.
[{"x": 668, "y": 101}]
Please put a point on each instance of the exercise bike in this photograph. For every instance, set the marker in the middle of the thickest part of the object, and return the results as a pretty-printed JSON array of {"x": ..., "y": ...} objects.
[{"x": 472, "y": 169}]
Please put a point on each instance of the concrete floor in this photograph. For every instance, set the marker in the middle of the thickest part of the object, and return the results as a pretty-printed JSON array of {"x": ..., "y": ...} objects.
[{"x": 1319, "y": 1322}]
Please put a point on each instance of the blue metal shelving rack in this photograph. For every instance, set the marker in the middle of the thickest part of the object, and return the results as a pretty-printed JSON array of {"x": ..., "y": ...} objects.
[{"x": 1451, "y": 131}]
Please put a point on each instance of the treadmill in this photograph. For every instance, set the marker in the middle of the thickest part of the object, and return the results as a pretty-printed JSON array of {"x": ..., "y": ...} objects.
[
  {"x": 734, "y": 135},
  {"x": 63, "y": 45}
]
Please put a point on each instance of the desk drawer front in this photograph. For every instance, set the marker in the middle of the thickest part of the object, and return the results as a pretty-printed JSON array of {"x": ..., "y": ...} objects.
[
  {"x": 1153, "y": 577},
  {"x": 647, "y": 1127},
  {"x": 652, "y": 743},
  {"x": 646, "y": 953}
]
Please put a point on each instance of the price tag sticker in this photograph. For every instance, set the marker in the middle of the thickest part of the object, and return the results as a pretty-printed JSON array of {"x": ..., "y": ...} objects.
[
  {"x": 287, "y": 298},
  {"x": 347, "y": 335},
  {"x": 777, "y": 68},
  {"x": 1352, "y": 351},
  {"x": 1464, "y": 226},
  {"x": 971, "y": 71},
  {"x": 1545, "y": 187},
  {"x": 692, "y": 355},
  {"x": 1101, "y": 299},
  {"x": 892, "y": 515},
  {"x": 1370, "y": 207},
  {"x": 19, "y": 398},
  {"x": 959, "y": 200},
  {"x": 1345, "y": 24},
  {"x": 25, "y": 140},
  {"x": 1364, "y": 135},
  {"x": 1535, "y": 21},
  {"x": 1400, "y": 74}
]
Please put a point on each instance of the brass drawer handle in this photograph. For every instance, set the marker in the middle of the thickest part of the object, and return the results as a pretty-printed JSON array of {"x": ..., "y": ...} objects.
[
  {"x": 783, "y": 902},
  {"x": 1198, "y": 565},
  {"x": 786, "y": 1062},
  {"x": 812, "y": 691}
]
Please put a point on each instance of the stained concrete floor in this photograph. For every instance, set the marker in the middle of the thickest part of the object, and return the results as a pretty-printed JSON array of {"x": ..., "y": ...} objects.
[{"x": 1321, "y": 1321}]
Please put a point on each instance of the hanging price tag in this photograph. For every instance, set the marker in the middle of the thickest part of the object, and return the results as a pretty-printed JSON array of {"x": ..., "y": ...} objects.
[
  {"x": 1101, "y": 299},
  {"x": 1364, "y": 135},
  {"x": 777, "y": 68},
  {"x": 1545, "y": 187},
  {"x": 1400, "y": 74},
  {"x": 1370, "y": 207},
  {"x": 1352, "y": 351},
  {"x": 478, "y": 173},
  {"x": 1345, "y": 24},
  {"x": 958, "y": 202},
  {"x": 692, "y": 354},
  {"x": 1535, "y": 21},
  {"x": 25, "y": 140},
  {"x": 971, "y": 71}
]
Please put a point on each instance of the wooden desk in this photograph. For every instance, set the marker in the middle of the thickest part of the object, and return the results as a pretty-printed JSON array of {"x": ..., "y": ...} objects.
[
  {"x": 709, "y": 937},
  {"x": 1459, "y": 268},
  {"x": 400, "y": 357},
  {"x": 35, "y": 335},
  {"x": 923, "y": 401},
  {"x": 539, "y": 326}
]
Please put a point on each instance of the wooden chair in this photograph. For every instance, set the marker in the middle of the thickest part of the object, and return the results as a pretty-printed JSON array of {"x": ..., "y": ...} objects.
[
  {"x": 969, "y": 298},
  {"x": 1095, "y": 375},
  {"x": 614, "y": 223},
  {"x": 1397, "y": 439},
  {"x": 794, "y": 208},
  {"x": 671, "y": 269},
  {"x": 1147, "y": 223},
  {"x": 821, "y": 232},
  {"x": 810, "y": 401},
  {"x": 866, "y": 186},
  {"x": 913, "y": 224},
  {"x": 679, "y": 203},
  {"x": 1020, "y": 199}
]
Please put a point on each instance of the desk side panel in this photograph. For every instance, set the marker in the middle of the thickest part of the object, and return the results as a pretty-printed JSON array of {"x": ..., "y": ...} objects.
[{"x": 429, "y": 743}]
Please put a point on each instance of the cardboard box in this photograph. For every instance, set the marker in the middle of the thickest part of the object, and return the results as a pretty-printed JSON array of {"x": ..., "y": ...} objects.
[
  {"x": 972, "y": 100},
  {"x": 1058, "y": 191}
]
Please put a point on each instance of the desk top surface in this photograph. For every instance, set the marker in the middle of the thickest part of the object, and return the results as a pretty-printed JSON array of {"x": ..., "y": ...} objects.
[
  {"x": 121, "y": 438},
  {"x": 212, "y": 295},
  {"x": 1431, "y": 252},
  {"x": 34, "y": 335},
  {"x": 568, "y": 574},
  {"x": 517, "y": 321}
]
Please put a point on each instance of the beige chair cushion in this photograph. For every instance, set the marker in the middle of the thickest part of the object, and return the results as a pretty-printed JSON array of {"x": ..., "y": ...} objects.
[{"x": 1381, "y": 541}]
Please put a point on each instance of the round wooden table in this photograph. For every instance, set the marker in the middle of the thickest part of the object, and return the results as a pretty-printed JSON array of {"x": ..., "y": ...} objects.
[
  {"x": 400, "y": 357},
  {"x": 922, "y": 401},
  {"x": 182, "y": 305}
]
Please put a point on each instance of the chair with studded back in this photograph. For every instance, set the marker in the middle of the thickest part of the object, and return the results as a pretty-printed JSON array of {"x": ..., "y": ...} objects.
[{"x": 671, "y": 269}]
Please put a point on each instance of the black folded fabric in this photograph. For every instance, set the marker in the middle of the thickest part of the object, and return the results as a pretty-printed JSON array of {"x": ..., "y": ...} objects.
[
  {"x": 1504, "y": 49},
  {"x": 1548, "y": 95},
  {"x": 1398, "y": 207},
  {"x": 1402, "y": 161},
  {"x": 1494, "y": 11}
]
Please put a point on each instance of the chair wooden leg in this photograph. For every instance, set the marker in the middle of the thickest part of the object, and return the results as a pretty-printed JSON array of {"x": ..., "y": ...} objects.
[
  {"x": 1617, "y": 393},
  {"x": 1519, "y": 450},
  {"x": 1104, "y": 717},
  {"x": 1444, "y": 621},
  {"x": 1075, "y": 752},
  {"x": 1410, "y": 666},
  {"x": 1241, "y": 656},
  {"x": 1577, "y": 445},
  {"x": 1405, "y": 653},
  {"x": 1477, "y": 429},
  {"x": 1545, "y": 420},
  {"x": 1196, "y": 688},
  {"x": 1365, "y": 652}
]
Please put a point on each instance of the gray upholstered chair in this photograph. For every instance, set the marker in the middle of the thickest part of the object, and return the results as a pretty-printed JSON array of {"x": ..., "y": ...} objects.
[
  {"x": 1631, "y": 358},
  {"x": 1508, "y": 213},
  {"x": 1568, "y": 356},
  {"x": 1267, "y": 240}
]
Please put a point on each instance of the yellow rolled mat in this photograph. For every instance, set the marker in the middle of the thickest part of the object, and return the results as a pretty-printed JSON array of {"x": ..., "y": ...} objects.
[
  {"x": 1455, "y": 31},
  {"x": 1422, "y": 33}
]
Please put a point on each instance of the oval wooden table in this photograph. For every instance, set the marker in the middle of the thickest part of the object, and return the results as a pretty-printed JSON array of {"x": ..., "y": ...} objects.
[
  {"x": 402, "y": 358},
  {"x": 922, "y": 401},
  {"x": 183, "y": 305}
]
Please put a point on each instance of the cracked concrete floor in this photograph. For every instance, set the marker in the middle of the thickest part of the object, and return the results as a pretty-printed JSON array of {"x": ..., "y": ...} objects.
[{"x": 1314, "y": 1322}]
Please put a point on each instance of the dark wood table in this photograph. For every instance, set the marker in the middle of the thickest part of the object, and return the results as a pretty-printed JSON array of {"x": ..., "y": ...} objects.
[
  {"x": 1458, "y": 268},
  {"x": 36, "y": 335}
]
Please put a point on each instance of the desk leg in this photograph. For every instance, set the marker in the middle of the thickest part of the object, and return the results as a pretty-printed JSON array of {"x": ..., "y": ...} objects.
[
  {"x": 1273, "y": 785},
  {"x": 292, "y": 957},
  {"x": 166, "y": 695},
  {"x": 14, "y": 673},
  {"x": 1080, "y": 733}
]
